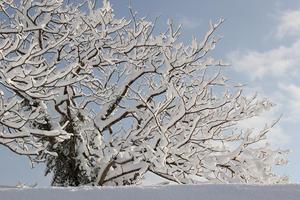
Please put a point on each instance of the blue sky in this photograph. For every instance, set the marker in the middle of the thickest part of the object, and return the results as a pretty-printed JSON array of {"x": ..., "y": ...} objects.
[{"x": 261, "y": 40}]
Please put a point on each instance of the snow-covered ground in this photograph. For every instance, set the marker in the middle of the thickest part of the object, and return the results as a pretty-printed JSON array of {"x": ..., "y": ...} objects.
[{"x": 174, "y": 192}]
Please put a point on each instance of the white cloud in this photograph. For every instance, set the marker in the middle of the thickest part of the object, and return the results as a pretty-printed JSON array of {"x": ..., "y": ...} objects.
[
  {"x": 279, "y": 65},
  {"x": 277, "y": 62},
  {"x": 291, "y": 100},
  {"x": 289, "y": 23},
  {"x": 293, "y": 91},
  {"x": 189, "y": 23}
]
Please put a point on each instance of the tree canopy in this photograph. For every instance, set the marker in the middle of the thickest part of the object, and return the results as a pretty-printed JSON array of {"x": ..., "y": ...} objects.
[{"x": 103, "y": 100}]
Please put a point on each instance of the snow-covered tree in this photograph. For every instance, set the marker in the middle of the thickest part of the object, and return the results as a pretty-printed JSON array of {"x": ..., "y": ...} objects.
[{"x": 102, "y": 100}]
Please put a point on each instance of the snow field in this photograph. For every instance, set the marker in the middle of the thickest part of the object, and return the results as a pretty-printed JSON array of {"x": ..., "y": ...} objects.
[{"x": 174, "y": 192}]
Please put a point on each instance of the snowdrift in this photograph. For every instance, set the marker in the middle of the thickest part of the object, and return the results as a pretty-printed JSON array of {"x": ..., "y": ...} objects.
[{"x": 175, "y": 192}]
